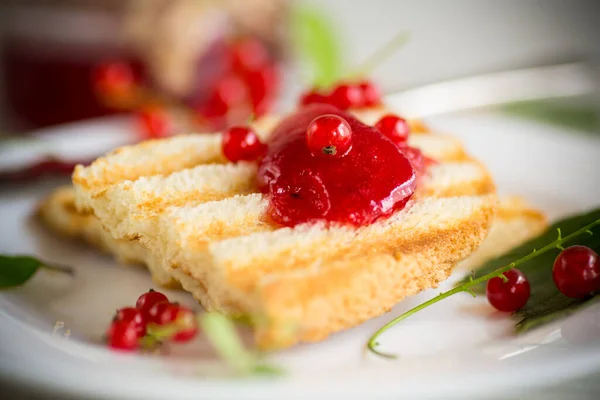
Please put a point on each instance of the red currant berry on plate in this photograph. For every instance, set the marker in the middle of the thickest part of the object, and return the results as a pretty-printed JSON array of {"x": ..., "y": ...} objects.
[
  {"x": 122, "y": 335},
  {"x": 312, "y": 97},
  {"x": 133, "y": 316},
  {"x": 393, "y": 127},
  {"x": 511, "y": 295},
  {"x": 346, "y": 96},
  {"x": 154, "y": 313},
  {"x": 186, "y": 320},
  {"x": 212, "y": 113},
  {"x": 147, "y": 300},
  {"x": 329, "y": 136},
  {"x": 181, "y": 317},
  {"x": 113, "y": 78},
  {"x": 231, "y": 91},
  {"x": 262, "y": 85},
  {"x": 370, "y": 94},
  {"x": 576, "y": 271},
  {"x": 164, "y": 313},
  {"x": 154, "y": 123},
  {"x": 248, "y": 54},
  {"x": 240, "y": 143}
]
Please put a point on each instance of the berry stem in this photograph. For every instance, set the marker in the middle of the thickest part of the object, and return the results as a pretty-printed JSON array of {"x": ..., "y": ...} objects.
[
  {"x": 57, "y": 268},
  {"x": 465, "y": 287},
  {"x": 164, "y": 332},
  {"x": 381, "y": 54}
]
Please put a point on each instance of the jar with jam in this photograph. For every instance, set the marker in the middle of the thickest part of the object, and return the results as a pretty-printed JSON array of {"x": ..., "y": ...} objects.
[{"x": 183, "y": 53}]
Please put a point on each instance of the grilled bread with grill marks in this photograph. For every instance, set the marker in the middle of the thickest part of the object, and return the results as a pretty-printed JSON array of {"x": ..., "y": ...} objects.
[{"x": 202, "y": 220}]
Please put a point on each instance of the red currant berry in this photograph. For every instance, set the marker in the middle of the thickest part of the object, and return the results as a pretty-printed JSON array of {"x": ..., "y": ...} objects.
[
  {"x": 262, "y": 85},
  {"x": 122, "y": 335},
  {"x": 312, "y": 97},
  {"x": 153, "y": 314},
  {"x": 231, "y": 91},
  {"x": 113, "y": 78},
  {"x": 133, "y": 316},
  {"x": 147, "y": 300},
  {"x": 241, "y": 144},
  {"x": 394, "y": 127},
  {"x": 182, "y": 317},
  {"x": 329, "y": 136},
  {"x": 511, "y": 295},
  {"x": 248, "y": 55},
  {"x": 346, "y": 96},
  {"x": 370, "y": 94},
  {"x": 154, "y": 123},
  {"x": 212, "y": 112},
  {"x": 576, "y": 271}
]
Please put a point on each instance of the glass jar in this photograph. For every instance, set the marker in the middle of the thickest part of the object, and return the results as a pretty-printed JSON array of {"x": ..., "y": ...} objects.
[{"x": 49, "y": 50}]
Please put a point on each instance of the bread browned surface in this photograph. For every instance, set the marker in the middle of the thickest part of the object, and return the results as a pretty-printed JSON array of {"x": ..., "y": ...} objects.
[
  {"x": 202, "y": 221},
  {"x": 515, "y": 222}
]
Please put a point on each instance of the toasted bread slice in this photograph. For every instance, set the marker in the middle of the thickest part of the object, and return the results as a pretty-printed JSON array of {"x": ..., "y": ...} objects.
[
  {"x": 515, "y": 223},
  {"x": 301, "y": 283}
]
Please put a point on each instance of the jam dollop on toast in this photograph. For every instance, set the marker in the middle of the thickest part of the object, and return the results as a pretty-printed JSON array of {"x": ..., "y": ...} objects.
[{"x": 372, "y": 180}]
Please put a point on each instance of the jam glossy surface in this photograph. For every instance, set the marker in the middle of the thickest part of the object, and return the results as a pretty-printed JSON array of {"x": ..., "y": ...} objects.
[{"x": 373, "y": 180}]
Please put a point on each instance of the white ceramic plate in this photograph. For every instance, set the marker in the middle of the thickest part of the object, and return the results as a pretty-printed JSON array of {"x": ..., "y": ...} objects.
[{"x": 457, "y": 348}]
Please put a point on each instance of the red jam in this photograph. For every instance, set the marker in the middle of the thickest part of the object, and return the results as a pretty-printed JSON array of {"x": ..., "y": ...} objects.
[{"x": 371, "y": 181}]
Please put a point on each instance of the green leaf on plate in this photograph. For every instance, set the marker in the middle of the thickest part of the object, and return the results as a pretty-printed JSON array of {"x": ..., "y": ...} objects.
[
  {"x": 222, "y": 333},
  {"x": 16, "y": 270},
  {"x": 580, "y": 117},
  {"x": 546, "y": 303},
  {"x": 314, "y": 38}
]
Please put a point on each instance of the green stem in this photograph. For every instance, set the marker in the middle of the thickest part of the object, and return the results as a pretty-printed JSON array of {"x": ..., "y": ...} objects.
[
  {"x": 56, "y": 268},
  {"x": 465, "y": 287},
  {"x": 381, "y": 54}
]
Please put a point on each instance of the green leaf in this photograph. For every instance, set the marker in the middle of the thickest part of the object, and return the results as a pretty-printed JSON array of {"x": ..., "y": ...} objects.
[
  {"x": 222, "y": 334},
  {"x": 579, "y": 117},
  {"x": 314, "y": 38},
  {"x": 546, "y": 303},
  {"x": 16, "y": 270}
]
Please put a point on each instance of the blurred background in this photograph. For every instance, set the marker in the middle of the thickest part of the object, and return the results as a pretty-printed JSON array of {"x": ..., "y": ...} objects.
[{"x": 200, "y": 65}]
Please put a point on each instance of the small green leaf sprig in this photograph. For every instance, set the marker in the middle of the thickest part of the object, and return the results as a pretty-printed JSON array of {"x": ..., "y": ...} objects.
[
  {"x": 16, "y": 270},
  {"x": 222, "y": 334},
  {"x": 466, "y": 286},
  {"x": 314, "y": 38}
]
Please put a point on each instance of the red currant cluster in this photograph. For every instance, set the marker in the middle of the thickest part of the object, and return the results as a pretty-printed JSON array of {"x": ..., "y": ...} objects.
[
  {"x": 247, "y": 86},
  {"x": 576, "y": 274},
  {"x": 131, "y": 324},
  {"x": 345, "y": 96}
]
